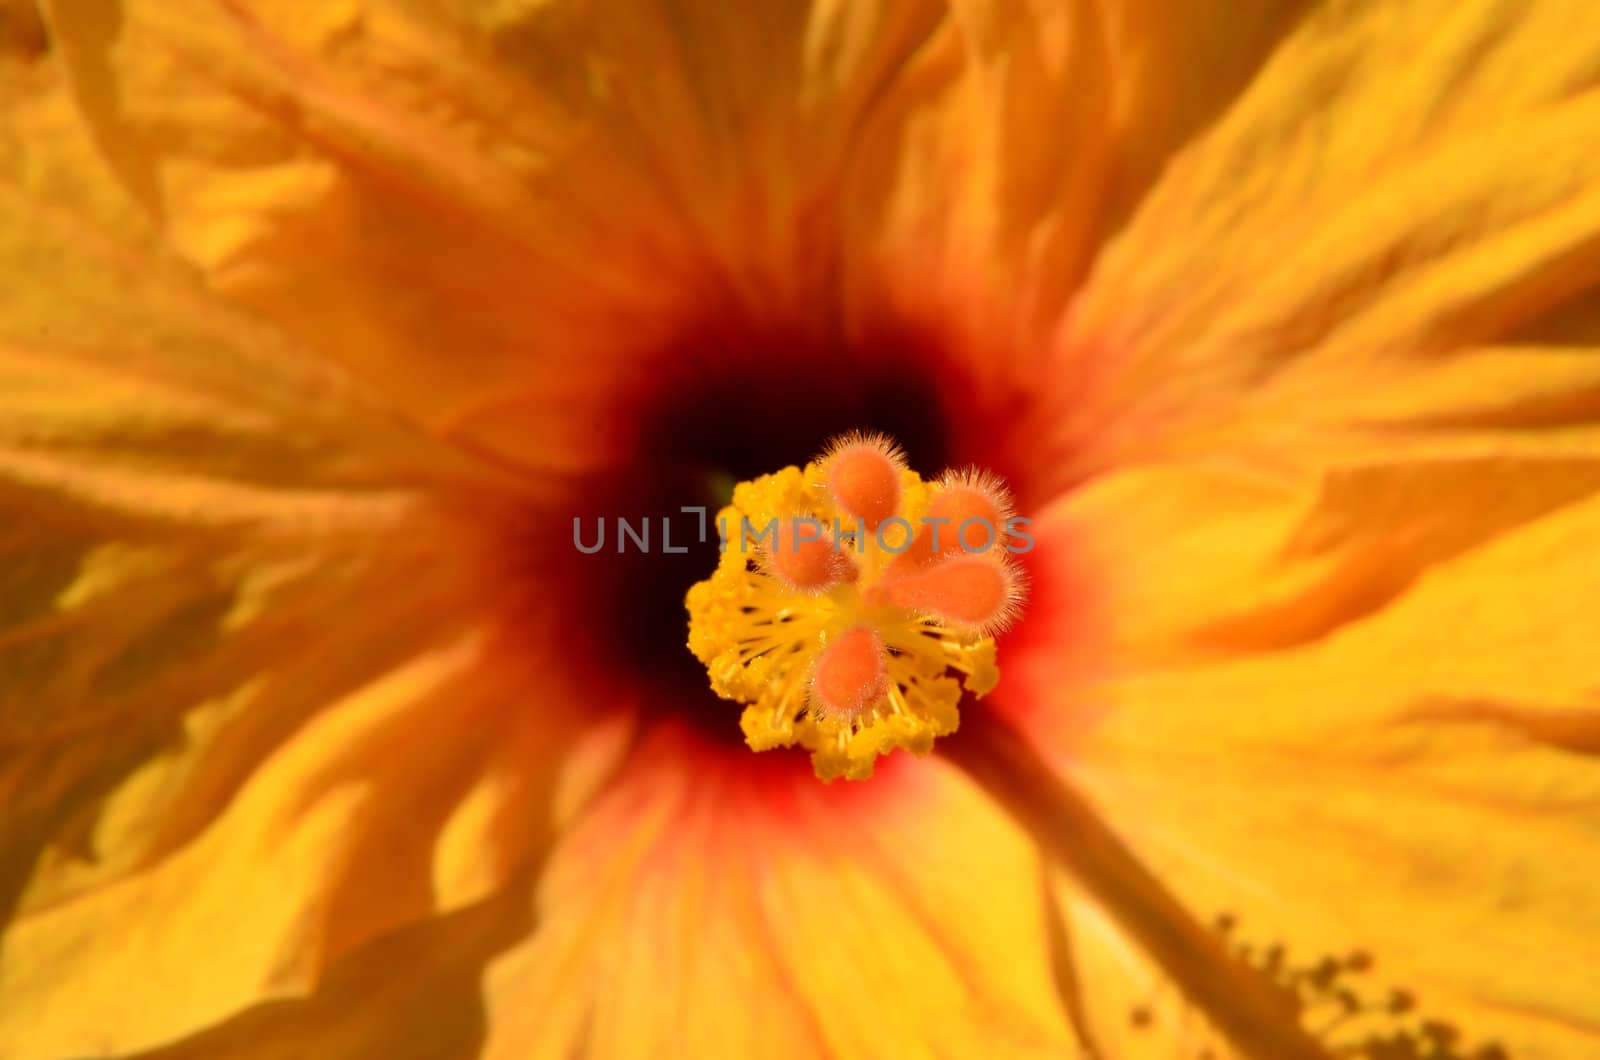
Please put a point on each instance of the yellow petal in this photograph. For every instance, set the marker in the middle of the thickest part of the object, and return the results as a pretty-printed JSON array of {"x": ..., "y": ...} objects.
[
  {"x": 703, "y": 911},
  {"x": 23, "y": 38},
  {"x": 1019, "y": 135},
  {"x": 412, "y": 993},
  {"x": 45, "y": 149},
  {"x": 1008, "y": 148},
  {"x": 1396, "y": 183},
  {"x": 283, "y": 880},
  {"x": 981, "y": 175},
  {"x": 1271, "y": 548},
  {"x": 1413, "y": 781},
  {"x": 135, "y": 420},
  {"x": 1127, "y": 1008},
  {"x": 500, "y": 209},
  {"x": 1175, "y": 67},
  {"x": 233, "y": 591}
]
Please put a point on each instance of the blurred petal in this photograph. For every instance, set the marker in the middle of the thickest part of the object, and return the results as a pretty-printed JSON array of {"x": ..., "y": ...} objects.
[
  {"x": 1128, "y": 1009},
  {"x": 23, "y": 39},
  {"x": 959, "y": 191},
  {"x": 1176, "y": 66},
  {"x": 710, "y": 911},
  {"x": 1019, "y": 135},
  {"x": 499, "y": 208},
  {"x": 265, "y": 894},
  {"x": 238, "y": 601},
  {"x": 285, "y": 154},
  {"x": 1287, "y": 554},
  {"x": 414, "y": 993},
  {"x": 1010, "y": 146},
  {"x": 1399, "y": 183}
]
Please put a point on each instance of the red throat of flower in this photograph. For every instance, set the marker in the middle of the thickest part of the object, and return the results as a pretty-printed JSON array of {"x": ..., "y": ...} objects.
[{"x": 854, "y": 601}]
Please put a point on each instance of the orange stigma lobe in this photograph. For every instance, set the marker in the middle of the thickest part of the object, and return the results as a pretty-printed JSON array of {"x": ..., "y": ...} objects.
[
  {"x": 968, "y": 590},
  {"x": 963, "y": 518},
  {"x": 803, "y": 554},
  {"x": 864, "y": 479},
  {"x": 851, "y": 674},
  {"x": 976, "y": 521}
]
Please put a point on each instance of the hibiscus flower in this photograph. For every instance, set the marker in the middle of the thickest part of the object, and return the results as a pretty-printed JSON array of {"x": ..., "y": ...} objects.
[{"x": 327, "y": 324}]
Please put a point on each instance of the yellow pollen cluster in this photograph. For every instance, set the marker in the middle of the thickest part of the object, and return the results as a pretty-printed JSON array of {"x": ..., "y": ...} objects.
[{"x": 848, "y": 610}]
